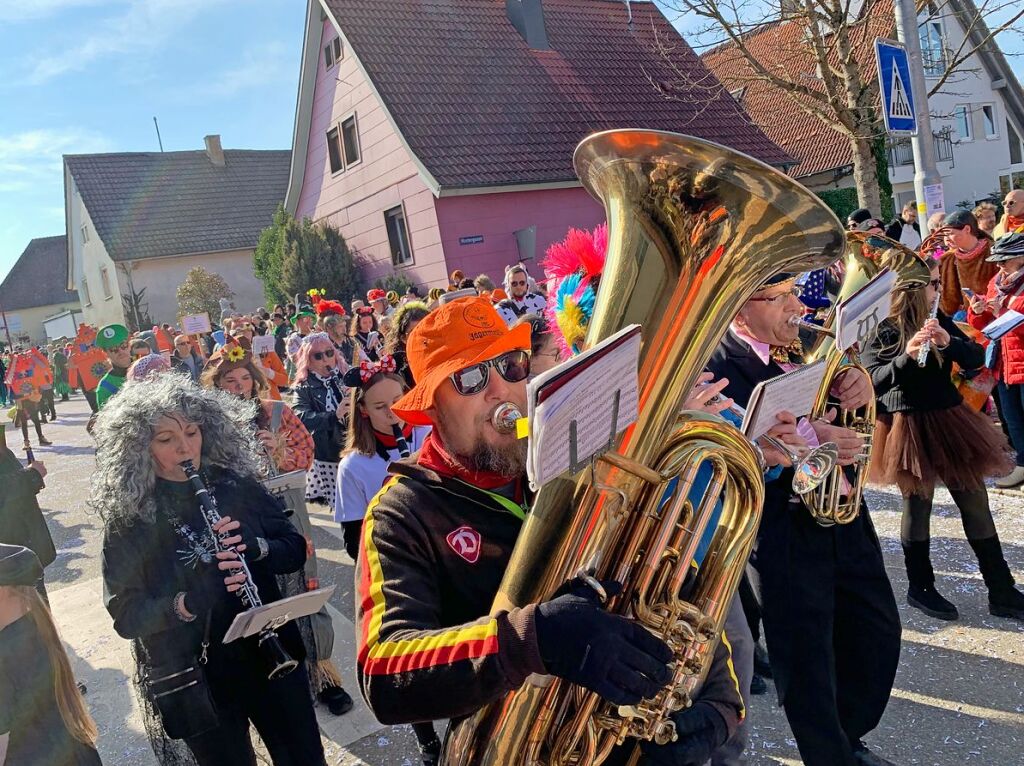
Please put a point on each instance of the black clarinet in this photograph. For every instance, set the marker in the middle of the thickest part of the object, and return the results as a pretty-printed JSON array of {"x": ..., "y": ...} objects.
[
  {"x": 400, "y": 442},
  {"x": 279, "y": 663}
]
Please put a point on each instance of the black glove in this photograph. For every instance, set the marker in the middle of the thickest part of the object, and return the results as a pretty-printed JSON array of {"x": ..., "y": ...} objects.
[
  {"x": 250, "y": 541},
  {"x": 608, "y": 654},
  {"x": 701, "y": 730},
  {"x": 200, "y": 600}
]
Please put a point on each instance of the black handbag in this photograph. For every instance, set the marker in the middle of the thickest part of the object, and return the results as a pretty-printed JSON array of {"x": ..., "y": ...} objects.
[{"x": 181, "y": 694}]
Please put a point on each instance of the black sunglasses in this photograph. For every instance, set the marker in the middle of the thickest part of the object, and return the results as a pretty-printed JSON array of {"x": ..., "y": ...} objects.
[
  {"x": 513, "y": 366},
  {"x": 319, "y": 355}
]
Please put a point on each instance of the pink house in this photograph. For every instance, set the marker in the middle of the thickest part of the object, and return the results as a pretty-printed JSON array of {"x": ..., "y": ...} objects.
[{"x": 439, "y": 135}]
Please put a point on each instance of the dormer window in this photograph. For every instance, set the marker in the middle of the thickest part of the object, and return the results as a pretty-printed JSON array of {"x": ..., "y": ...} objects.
[{"x": 332, "y": 53}]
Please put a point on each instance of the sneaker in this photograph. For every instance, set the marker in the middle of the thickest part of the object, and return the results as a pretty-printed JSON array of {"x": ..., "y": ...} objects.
[
  {"x": 931, "y": 602},
  {"x": 865, "y": 757},
  {"x": 337, "y": 700},
  {"x": 1013, "y": 479},
  {"x": 1008, "y": 603},
  {"x": 44, "y": 442}
]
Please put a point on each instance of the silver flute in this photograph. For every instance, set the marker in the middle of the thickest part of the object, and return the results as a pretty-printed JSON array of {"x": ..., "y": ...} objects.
[{"x": 926, "y": 347}]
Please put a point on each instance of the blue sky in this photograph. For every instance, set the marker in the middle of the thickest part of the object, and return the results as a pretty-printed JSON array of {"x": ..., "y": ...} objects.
[{"x": 84, "y": 76}]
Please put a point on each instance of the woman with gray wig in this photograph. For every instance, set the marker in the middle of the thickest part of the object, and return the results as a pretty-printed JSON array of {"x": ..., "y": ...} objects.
[{"x": 173, "y": 591}]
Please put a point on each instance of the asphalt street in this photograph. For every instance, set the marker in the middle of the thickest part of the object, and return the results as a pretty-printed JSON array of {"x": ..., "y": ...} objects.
[{"x": 959, "y": 695}]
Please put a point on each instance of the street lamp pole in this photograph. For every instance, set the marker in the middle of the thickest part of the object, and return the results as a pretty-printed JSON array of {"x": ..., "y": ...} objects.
[{"x": 927, "y": 181}]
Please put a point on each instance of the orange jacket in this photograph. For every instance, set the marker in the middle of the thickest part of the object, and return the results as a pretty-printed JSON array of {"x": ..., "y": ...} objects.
[{"x": 273, "y": 370}]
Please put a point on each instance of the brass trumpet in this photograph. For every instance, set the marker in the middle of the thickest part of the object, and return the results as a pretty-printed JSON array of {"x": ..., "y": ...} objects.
[{"x": 693, "y": 230}]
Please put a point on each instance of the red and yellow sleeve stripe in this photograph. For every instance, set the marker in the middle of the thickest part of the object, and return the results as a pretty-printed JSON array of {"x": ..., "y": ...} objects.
[{"x": 377, "y": 657}]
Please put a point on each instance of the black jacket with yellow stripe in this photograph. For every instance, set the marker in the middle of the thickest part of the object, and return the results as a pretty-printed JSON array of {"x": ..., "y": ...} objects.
[{"x": 434, "y": 551}]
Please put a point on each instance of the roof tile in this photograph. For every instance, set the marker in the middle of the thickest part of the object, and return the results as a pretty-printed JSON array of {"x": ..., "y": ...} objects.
[
  {"x": 480, "y": 108},
  {"x": 152, "y": 204},
  {"x": 38, "y": 276}
]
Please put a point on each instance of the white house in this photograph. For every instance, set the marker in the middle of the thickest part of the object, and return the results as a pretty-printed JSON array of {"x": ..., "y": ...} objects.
[
  {"x": 977, "y": 116},
  {"x": 137, "y": 223}
]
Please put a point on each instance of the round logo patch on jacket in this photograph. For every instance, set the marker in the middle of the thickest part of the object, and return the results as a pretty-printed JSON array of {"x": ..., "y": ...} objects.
[{"x": 465, "y": 541}]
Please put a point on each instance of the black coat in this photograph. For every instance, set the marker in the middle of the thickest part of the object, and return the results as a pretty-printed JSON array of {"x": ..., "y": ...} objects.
[
  {"x": 21, "y": 520},
  {"x": 146, "y": 565},
  {"x": 902, "y": 386},
  {"x": 735, "y": 360},
  {"x": 311, "y": 406}
]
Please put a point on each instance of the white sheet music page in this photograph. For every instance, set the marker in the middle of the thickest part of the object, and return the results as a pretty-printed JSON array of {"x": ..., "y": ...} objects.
[
  {"x": 1007, "y": 321},
  {"x": 792, "y": 392},
  {"x": 582, "y": 389},
  {"x": 858, "y": 317}
]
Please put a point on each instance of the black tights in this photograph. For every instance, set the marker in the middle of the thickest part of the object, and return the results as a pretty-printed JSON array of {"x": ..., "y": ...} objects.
[{"x": 974, "y": 514}]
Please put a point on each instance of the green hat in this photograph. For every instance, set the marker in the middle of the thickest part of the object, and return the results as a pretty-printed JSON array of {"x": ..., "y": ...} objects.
[{"x": 111, "y": 336}]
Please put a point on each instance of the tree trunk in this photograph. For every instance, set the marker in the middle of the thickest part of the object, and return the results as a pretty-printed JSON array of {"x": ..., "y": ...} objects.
[{"x": 865, "y": 175}]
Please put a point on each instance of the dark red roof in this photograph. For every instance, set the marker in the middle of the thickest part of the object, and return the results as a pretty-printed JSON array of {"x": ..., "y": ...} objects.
[
  {"x": 480, "y": 108},
  {"x": 817, "y": 146}
]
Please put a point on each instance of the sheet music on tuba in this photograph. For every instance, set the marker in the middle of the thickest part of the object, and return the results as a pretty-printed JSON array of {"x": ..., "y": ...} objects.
[
  {"x": 593, "y": 395},
  {"x": 858, "y": 317}
]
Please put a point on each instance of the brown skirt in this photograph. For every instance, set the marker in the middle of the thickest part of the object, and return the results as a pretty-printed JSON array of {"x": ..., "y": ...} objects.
[{"x": 957, "y": 446}]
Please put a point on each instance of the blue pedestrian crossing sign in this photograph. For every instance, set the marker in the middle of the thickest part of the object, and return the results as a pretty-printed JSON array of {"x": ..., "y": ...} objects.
[{"x": 896, "y": 88}]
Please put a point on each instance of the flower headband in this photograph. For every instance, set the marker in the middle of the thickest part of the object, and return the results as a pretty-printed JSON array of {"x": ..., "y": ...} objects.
[
  {"x": 364, "y": 311},
  {"x": 357, "y": 377}
]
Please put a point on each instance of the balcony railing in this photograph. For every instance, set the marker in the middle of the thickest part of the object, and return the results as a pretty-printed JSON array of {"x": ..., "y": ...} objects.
[{"x": 900, "y": 152}]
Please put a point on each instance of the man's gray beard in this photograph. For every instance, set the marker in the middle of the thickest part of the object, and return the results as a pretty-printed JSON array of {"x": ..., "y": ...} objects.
[{"x": 507, "y": 461}]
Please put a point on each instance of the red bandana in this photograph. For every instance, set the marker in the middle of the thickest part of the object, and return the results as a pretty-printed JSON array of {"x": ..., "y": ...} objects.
[
  {"x": 1014, "y": 222},
  {"x": 434, "y": 457},
  {"x": 389, "y": 440}
]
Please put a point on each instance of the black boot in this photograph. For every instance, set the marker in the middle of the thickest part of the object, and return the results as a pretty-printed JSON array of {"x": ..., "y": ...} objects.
[
  {"x": 922, "y": 594},
  {"x": 338, "y": 700},
  {"x": 1004, "y": 600}
]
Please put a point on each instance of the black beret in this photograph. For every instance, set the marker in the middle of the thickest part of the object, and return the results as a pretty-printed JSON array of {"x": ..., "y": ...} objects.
[{"x": 19, "y": 565}]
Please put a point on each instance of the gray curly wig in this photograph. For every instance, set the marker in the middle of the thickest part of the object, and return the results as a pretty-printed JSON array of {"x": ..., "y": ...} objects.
[{"x": 122, "y": 485}]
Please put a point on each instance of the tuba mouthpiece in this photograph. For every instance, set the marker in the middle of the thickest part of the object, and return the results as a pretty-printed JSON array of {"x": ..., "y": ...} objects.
[{"x": 505, "y": 416}]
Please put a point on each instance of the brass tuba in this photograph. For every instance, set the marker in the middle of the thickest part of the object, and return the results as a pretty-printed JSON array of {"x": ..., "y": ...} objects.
[
  {"x": 867, "y": 254},
  {"x": 694, "y": 229}
]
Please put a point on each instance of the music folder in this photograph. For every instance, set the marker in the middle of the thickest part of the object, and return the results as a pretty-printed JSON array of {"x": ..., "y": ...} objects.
[{"x": 273, "y": 616}]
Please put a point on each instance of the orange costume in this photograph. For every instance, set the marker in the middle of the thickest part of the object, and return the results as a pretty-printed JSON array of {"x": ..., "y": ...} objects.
[
  {"x": 276, "y": 375},
  {"x": 87, "y": 363}
]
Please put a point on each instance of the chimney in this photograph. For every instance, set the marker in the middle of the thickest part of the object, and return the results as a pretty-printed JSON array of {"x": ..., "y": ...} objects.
[
  {"x": 527, "y": 16},
  {"x": 214, "y": 150}
]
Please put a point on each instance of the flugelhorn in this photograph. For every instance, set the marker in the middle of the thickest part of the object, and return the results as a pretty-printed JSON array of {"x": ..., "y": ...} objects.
[
  {"x": 693, "y": 230},
  {"x": 835, "y": 502}
]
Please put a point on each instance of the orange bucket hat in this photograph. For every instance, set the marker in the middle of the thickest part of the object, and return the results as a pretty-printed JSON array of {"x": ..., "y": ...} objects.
[{"x": 457, "y": 335}]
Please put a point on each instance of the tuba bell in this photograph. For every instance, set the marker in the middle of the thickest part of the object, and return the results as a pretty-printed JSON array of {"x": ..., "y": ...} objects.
[
  {"x": 694, "y": 230},
  {"x": 867, "y": 254}
]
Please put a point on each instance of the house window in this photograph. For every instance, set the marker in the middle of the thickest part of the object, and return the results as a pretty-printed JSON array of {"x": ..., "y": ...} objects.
[
  {"x": 962, "y": 115},
  {"x": 334, "y": 150},
  {"x": 350, "y": 140},
  {"x": 988, "y": 117},
  {"x": 1016, "y": 155},
  {"x": 85, "y": 292},
  {"x": 85, "y": 233},
  {"x": 933, "y": 52},
  {"x": 105, "y": 281},
  {"x": 332, "y": 52},
  {"x": 398, "y": 236}
]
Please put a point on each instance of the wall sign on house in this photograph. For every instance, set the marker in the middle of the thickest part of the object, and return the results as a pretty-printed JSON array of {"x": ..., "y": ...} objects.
[{"x": 476, "y": 239}]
